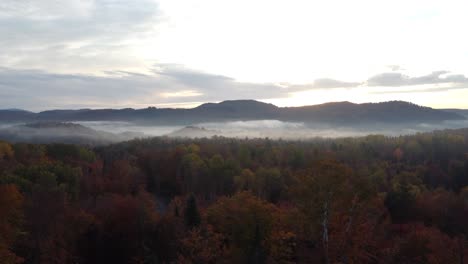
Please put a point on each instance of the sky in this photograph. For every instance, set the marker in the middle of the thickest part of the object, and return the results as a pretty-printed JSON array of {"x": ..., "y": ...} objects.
[{"x": 174, "y": 53}]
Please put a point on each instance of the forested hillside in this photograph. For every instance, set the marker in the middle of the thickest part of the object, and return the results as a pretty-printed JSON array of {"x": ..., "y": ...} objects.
[
  {"x": 372, "y": 199},
  {"x": 392, "y": 112}
]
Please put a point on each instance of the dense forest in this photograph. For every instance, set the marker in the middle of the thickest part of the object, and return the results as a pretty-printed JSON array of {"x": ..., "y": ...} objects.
[{"x": 371, "y": 199}]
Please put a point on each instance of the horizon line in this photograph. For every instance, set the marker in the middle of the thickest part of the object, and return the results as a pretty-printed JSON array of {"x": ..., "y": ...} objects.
[{"x": 198, "y": 104}]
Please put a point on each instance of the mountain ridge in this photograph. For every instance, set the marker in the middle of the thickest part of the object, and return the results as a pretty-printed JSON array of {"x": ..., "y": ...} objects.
[
  {"x": 332, "y": 112},
  {"x": 62, "y": 132}
]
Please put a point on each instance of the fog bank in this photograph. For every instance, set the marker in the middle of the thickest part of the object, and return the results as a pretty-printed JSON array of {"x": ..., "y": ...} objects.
[{"x": 97, "y": 132}]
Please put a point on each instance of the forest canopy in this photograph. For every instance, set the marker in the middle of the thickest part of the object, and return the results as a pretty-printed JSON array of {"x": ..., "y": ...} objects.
[{"x": 370, "y": 199}]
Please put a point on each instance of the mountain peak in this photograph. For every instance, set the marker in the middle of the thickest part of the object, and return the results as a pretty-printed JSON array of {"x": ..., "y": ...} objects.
[{"x": 238, "y": 104}]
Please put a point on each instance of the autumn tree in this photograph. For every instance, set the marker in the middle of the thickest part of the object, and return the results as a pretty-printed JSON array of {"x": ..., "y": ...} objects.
[
  {"x": 202, "y": 245},
  {"x": 194, "y": 171},
  {"x": 321, "y": 193},
  {"x": 270, "y": 184},
  {"x": 247, "y": 223},
  {"x": 11, "y": 213},
  {"x": 245, "y": 181},
  {"x": 6, "y": 151},
  {"x": 422, "y": 244},
  {"x": 121, "y": 233}
]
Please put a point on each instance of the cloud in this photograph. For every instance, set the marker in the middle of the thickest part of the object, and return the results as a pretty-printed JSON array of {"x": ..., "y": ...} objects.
[
  {"x": 395, "y": 67},
  {"x": 441, "y": 80},
  {"x": 188, "y": 93},
  {"x": 171, "y": 85},
  {"x": 73, "y": 34},
  {"x": 331, "y": 83},
  {"x": 423, "y": 90},
  {"x": 213, "y": 86},
  {"x": 166, "y": 85},
  {"x": 323, "y": 83},
  {"x": 396, "y": 79}
]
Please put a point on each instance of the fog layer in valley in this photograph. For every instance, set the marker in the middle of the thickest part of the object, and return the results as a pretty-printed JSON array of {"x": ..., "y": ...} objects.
[
  {"x": 106, "y": 132},
  {"x": 123, "y": 127},
  {"x": 291, "y": 130}
]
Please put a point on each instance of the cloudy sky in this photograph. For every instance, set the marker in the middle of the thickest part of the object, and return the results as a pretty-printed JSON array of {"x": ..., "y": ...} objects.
[{"x": 175, "y": 53}]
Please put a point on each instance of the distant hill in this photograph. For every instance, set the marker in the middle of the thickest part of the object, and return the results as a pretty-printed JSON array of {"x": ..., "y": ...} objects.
[
  {"x": 332, "y": 113},
  {"x": 234, "y": 109},
  {"x": 194, "y": 132},
  {"x": 463, "y": 112},
  {"x": 58, "y": 132},
  {"x": 350, "y": 113},
  {"x": 15, "y": 115}
]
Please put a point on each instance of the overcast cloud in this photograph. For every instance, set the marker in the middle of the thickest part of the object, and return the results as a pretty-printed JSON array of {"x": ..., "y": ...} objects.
[
  {"x": 167, "y": 85},
  {"x": 173, "y": 85},
  {"x": 325, "y": 83},
  {"x": 73, "y": 35},
  {"x": 114, "y": 53},
  {"x": 399, "y": 79}
]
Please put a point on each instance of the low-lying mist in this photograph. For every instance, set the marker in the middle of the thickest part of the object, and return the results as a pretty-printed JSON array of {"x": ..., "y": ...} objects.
[
  {"x": 106, "y": 132},
  {"x": 274, "y": 129},
  {"x": 123, "y": 127}
]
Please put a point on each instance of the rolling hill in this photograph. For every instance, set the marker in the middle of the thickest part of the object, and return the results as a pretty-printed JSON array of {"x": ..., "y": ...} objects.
[
  {"x": 59, "y": 132},
  {"x": 332, "y": 113}
]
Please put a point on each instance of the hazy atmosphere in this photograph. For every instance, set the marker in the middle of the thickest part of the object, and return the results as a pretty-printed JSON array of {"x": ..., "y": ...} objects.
[
  {"x": 171, "y": 53},
  {"x": 150, "y": 55},
  {"x": 233, "y": 131}
]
